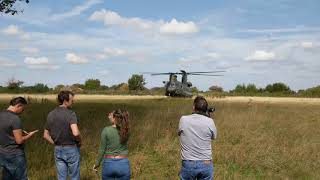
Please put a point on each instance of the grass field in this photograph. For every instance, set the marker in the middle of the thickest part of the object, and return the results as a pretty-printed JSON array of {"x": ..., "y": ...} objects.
[{"x": 256, "y": 139}]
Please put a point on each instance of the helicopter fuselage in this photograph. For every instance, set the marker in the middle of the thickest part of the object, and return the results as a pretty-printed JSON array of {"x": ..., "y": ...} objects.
[
  {"x": 181, "y": 88},
  {"x": 176, "y": 88}
]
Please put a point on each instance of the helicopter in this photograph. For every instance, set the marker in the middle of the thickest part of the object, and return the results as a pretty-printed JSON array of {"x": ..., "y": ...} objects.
[{"x": 175, "y": 88}]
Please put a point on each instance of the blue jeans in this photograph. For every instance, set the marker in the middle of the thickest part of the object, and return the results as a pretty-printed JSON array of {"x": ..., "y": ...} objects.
[
  {"x": 201, "y": 170},
  {"x": 13, "y": 167},
  {"x": 115, "y": 169},
  {"x": 67, "y": 162}
]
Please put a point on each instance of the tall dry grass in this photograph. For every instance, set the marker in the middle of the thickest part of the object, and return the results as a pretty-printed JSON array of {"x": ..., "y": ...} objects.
[{"x": 255, "y": 140}]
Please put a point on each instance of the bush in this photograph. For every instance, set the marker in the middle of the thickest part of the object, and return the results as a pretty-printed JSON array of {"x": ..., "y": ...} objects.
[
  {"x": 92, "y": 84},
  {"x": 136, "y": 83}
]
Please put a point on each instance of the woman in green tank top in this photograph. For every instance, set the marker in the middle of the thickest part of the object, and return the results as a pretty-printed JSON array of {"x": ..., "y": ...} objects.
[{"x": 114, "y": 147}]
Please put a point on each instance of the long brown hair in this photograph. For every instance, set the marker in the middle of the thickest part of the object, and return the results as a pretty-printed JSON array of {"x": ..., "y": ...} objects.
[{"x": 122, "y": 124}]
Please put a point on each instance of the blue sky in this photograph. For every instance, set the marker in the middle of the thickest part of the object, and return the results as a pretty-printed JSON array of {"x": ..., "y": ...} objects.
[{"x": 254, "y": 41}]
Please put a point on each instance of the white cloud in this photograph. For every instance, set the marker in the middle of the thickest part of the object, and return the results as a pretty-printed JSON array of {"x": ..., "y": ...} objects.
[
  {"x": 7, "y": 64},
  {"x": 75, "y": 59},
  {"x": 207, "y": 58},
  {"x": 283, "y": 30},
  {"x": 11, "y": 30},
  {"x": 111, "y": 52},
  {"x": 29, "y": 50},
  {"x": 36, "y": 61},
  {"x": 261, "y": 56},
  {"x": 113, "y": 18},
  {"x": 76, "y": 10},
  {"x": 307, "y": 45},
  {"x": 172, "y": 27},
  {"x": 45, "y": 67},
  {"x": 175, "y": 27},
  {"x": 114, "y": 52},
  {"x": 40, "y": 63}
]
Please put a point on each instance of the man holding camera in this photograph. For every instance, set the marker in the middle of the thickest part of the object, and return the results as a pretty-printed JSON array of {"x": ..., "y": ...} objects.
[{"x": 196, "y": 132}]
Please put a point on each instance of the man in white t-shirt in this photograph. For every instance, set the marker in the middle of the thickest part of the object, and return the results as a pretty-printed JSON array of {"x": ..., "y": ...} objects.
[{"x": 196, "y": 132}]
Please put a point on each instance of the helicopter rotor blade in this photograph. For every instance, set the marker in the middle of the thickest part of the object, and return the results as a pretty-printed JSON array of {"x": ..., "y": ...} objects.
[
  {"x": 156, "y": 74},
  {"x": 205, "y": 72}
]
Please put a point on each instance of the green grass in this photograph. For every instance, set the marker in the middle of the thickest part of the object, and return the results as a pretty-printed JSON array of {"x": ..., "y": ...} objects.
[{"x": 255, "y": 141}]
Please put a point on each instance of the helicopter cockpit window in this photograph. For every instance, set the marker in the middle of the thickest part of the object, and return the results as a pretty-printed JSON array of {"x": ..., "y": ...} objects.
[{"x": 174, "y": 77}]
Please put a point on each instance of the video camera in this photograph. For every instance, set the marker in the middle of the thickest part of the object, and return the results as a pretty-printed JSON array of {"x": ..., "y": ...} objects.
[{"x": 210, "y": 110}]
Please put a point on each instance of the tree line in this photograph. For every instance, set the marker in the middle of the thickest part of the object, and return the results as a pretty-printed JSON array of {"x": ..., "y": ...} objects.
[
  {"x": 136, "y": 85},
  {"x": 275, "y": 89}
]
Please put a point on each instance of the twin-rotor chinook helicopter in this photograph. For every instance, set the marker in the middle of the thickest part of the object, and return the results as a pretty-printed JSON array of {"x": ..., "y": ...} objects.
[{"x": 174, "y": 87}]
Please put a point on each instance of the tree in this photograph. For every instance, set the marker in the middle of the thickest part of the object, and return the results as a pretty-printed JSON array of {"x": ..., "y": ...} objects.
[
  {"x": 123, "y": 87},
  {"x": 311, "y": 92},
  {"x": 116, "y": 87},
  {"x": 92, "y": 84},
  {"x": 194, "y": 90},
  {"x": 240, "y": 88},
  {"x": 7, "y": 6},
  {"x": 58, "y": 87},
  {"x": 251, "y": 88},
  {"x": 14, "y": 84},
  {"x": 40, "y": 88},
  {"x": 158, "y": 90},
  {"x": 278, "y": 87},
  {"x": 104, "y": 87},
  {"x": 77, "y": 85},
  {"x": 216, "y": 89},
  {"x": 136, "y": 82}
]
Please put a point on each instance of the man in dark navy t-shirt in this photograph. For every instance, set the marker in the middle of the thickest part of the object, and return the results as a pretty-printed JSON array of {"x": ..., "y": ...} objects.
[{"x": 12, "y": 158}]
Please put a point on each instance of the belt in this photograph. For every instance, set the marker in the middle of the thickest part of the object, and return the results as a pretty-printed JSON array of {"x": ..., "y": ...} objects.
[
  {"x": 116, "y": 156},
  {"x": 67, "y": 145},
  {"x": 204, "y": 161}
]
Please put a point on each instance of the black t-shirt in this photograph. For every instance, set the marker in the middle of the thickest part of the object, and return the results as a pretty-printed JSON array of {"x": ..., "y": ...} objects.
[
  {"x": 58, "y": 125},
  {"x": 9, "y": 121}
]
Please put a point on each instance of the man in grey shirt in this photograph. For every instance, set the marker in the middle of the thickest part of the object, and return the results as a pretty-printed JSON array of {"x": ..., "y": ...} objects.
[
  {"x": 196, "y": 133},
  {"x": 62, "y": 130},
  {"x": 13, "y": 163}
]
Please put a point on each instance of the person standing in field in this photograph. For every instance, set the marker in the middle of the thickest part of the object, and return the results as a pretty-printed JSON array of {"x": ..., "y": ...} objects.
[
  {"x": 196, "y": 132},
  {"x": 13, "y": 164},
  {"x": 114, "y": 148},
  {"x": 62, "y": 130}
]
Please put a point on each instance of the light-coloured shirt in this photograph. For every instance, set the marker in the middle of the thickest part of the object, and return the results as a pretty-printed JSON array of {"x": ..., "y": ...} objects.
[{"x": 196, "y": 134}]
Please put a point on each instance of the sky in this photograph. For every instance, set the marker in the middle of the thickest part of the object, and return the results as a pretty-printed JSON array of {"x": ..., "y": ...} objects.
[{"x": 253, "y": 41}]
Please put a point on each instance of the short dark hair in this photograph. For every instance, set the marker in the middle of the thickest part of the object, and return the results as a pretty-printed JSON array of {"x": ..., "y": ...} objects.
[
  {"x": 18, "y": 100},
  {"x": 200, "y": 104},
  {"x": 64, "y": 96}
]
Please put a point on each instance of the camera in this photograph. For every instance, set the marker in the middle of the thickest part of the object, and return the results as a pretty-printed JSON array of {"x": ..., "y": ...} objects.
[{"x": 210, "y": 110}]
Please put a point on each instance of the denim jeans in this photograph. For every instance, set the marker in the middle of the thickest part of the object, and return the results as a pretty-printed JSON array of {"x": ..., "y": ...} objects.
[
  {"x": 13, "y": 167},
  {"x": 67, "y": 162},
  {"x": 115, "y": 169},
  {"x": 200, "y": 170}
]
